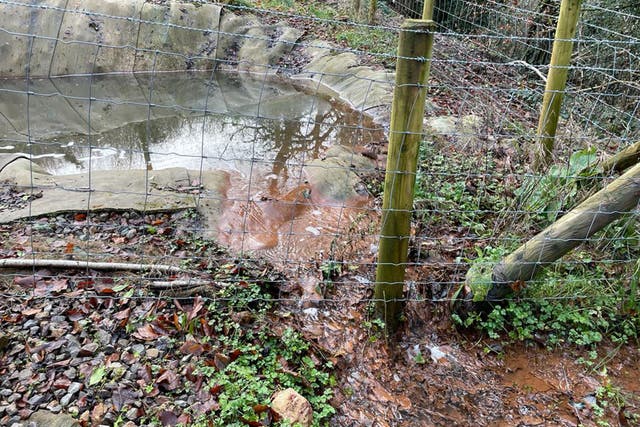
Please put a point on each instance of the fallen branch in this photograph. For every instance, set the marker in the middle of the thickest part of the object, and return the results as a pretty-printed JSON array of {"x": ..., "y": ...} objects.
[
  {"x": 623, "y": 160},
  {"x": 189, "y": 283},
  {"x": 492, "y": 283},
  {"x": 73, "y": 264},
  {"x": 531, "y": 67}
]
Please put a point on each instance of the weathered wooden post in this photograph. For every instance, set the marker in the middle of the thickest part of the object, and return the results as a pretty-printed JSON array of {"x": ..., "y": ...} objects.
[
  {"x": 373, "y": 7},
  {"x": 427, "y": 9},
  {"x": 407, "y": 114},
  {"x": 556, "y": 81}
]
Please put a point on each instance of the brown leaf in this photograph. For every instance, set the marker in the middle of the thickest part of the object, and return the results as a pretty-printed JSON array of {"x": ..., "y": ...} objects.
[
  {"x": 75, "y": 314},
  {"x": 251, "y": 423},
  {"x": 258, "y": 409},
  {"x": 27, "y": 281},
  {"x": 168, "y": 380},
  {"x": 198, "y": 304},
  {"x": 68, "y": 249},
  {"x": 61, "y": 383},
  {"x": 145, "y": 373},
  {"x": 215, "y": 389},
  {"x": 50, "y": 287},
  {"x": 30, "y": 311},
  {"x": 205, "y": 407},
  {"x": 148, "y": 332},
  {"x": 97, "y": 413},
  {"x": 235, "y": 354},
  {"x": 192, "y": 347},
  {"x": 220, "y": 361},
  {"x": 168, "y": 418},
  {"x": 123, "y": 314}
]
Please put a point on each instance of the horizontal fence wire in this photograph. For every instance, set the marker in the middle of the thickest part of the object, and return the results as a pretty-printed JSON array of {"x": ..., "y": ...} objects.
[{"x": 281, "y": 148}]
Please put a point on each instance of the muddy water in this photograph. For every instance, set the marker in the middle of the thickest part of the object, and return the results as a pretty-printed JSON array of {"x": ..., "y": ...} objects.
[{"x": 262, "y": 133}]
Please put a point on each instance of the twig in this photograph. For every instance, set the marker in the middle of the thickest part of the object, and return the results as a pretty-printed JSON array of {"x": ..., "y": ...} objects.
[
  {"x": 179, "y": 284},
  {"x": 531, "y": 67},
  {"x": 63, "y": 263}
]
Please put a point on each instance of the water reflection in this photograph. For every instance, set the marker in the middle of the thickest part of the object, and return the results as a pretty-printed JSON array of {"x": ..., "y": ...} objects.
[
  {"x": 124, "y": 122},
  {"x": 262, "y": 133}
]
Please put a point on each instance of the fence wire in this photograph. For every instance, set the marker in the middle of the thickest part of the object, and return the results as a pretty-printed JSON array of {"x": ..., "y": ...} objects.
[{"x": 203, "y": 137}]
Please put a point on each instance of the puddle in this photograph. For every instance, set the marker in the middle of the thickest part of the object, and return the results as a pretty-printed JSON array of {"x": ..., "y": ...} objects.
[{"x": 264, "y": 134}]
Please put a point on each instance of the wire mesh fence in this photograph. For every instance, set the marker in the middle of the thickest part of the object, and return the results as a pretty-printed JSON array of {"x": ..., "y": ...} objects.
[{"x": 152, "y": 149}]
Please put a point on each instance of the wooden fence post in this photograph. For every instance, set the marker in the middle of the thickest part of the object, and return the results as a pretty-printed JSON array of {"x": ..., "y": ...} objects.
[
  {"x": 556, "y": 81},
  {"x": 407, "y": 114},
  {"x": 427, "y": 9}
]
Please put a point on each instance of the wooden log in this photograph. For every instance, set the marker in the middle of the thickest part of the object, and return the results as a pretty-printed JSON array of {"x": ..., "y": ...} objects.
[
  {"x": 619, "y": 197},
  {"x": 407, "y": 113},
  {"x": 556, "y": 81},
  {"x": 622, "y": 160}
]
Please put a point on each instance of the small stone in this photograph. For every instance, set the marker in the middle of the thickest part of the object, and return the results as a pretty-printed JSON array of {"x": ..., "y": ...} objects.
[
  {"x": 13, "y": 397},
  {"x": 66, "y": 399},
  {"x": 152, "y": 353},
  {"x": 29, "y": 323},
  {"x": 71, "y": 373},
  {"x": 138, "y": 349},
  {"x": 88, "y": 349},
  {"x": 131, "y": 233},
  {"x": 132, "y": 414},
  {"x": 181, "y": 403},
  {"x": 74, "y": 388},
  {"x": 103, "y": 337},
  {"x": 17, "y": 425},
  {"x": 36, "y": 400},
  {"x": 44, "y": 418},
  {"x": 6, "y": 392},
  {"x": 54, "y": 407},
  {"x": 11, "y": 409},
  {"x": 25, "y": 374},
  {"x": 292, "y": 407}
]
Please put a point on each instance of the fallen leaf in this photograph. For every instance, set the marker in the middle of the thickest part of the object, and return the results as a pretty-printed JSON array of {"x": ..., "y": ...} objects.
[
  {"x": 258, "y": 409},
  {"x": 168, "y": 380},
  {"x": 97, "y": 375},
  {"x": 251, "y": 423},
  {"x": 68, "y": 249},
  {"x": 50, "y": 287},
  {"x": 97, "y": 413},
  {"x": 61, "y": 383},
  {"x": 192, "y": 347},
  {"x": 168, "y": 418},
  {"x": 80, "y": 217},
  {"x": 149, "y": 332},
  {"x": 205, "y": 407},
  {"x": 26, "y": 281},
  {"x": 235, "y": 354},
  {"x": 220, "y": 361}
]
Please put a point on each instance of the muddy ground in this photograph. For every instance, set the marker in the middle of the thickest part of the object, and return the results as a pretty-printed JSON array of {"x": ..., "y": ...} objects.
[{"x": 432, "y": 375}]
